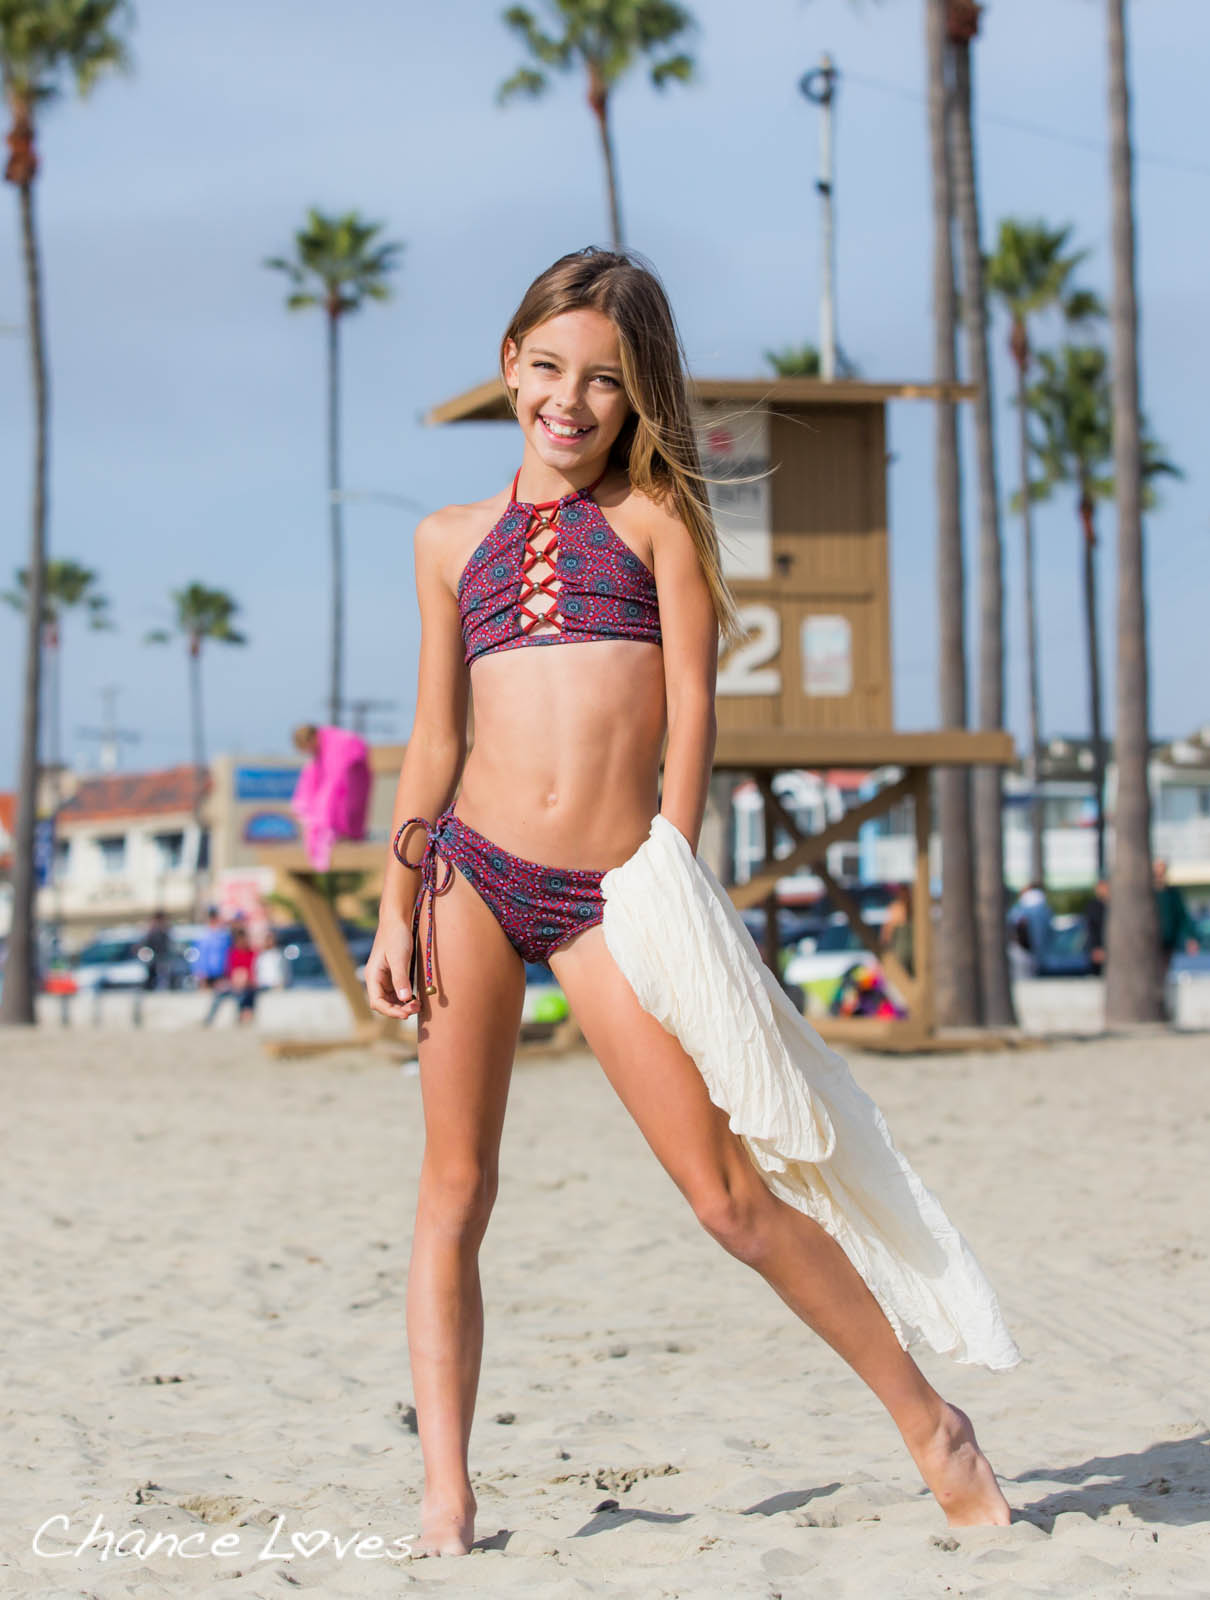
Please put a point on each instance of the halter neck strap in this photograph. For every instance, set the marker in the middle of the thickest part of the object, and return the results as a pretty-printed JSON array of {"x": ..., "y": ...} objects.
[{"x": 547, "y": 505}]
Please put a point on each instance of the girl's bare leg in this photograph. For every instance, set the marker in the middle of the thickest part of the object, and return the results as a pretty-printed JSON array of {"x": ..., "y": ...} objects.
[
  {"x": 661, "y": 1087},
  {"x": 467, "y": 1037}
]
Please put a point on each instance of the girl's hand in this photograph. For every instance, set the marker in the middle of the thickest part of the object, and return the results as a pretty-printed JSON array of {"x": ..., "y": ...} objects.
[{"x": 387, "y": 986}]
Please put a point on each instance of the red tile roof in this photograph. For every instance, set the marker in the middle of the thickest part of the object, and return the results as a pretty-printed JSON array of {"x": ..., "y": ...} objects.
[{"x": 133, "y": 794}]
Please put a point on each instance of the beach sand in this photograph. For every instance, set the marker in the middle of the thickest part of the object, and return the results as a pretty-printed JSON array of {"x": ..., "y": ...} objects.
[{"x": 206, "y": 1254}]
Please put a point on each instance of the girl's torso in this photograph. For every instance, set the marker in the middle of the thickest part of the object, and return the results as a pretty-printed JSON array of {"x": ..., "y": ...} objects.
[{"x": 566, "y": 675}]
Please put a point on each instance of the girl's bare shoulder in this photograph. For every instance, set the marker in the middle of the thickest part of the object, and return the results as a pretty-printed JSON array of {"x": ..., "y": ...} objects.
[
  {"x": 445, "y": 538},
  {"x": 649, "y": 522}
]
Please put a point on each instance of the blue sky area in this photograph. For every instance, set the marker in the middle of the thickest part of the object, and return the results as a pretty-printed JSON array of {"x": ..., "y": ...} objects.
[{"x": 188, "y": 406}]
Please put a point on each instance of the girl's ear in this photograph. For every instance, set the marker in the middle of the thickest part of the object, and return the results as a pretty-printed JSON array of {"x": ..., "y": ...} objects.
[{"x": 512, "y": 358}]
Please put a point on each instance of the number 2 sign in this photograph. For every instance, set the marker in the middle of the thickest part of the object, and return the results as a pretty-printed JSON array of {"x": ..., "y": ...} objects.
[{"x": 747, "y": 670}]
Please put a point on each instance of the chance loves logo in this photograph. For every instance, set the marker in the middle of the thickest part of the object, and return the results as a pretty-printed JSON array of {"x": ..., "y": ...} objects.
[{"x": 279, "y": 1545}]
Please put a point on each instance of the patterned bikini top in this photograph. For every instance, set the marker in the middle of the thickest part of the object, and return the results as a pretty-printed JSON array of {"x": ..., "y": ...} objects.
[{"x": 594, "y": 586}]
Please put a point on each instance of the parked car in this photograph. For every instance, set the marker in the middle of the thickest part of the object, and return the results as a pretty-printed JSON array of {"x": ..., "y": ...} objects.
[
  {"x": 120, "y": 961},
  {"x": 304, "y": 964},
  {"x": 793, "y": 923}
]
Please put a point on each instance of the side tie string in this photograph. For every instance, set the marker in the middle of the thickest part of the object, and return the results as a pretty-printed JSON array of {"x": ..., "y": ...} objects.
[{"x": 427, "y": 868}]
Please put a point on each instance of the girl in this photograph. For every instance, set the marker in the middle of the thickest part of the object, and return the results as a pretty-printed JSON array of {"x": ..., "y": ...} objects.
[{"x": 603, "y": 538}]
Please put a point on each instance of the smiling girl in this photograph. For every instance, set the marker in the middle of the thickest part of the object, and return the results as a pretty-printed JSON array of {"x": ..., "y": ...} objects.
[{"x": 603, "y": 540}]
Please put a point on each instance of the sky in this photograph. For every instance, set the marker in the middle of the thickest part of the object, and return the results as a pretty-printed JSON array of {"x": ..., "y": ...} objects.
[{"x": 188, "y": 424}]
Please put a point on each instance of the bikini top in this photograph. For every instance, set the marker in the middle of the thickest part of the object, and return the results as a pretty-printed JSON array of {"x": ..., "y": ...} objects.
[{"x": 597, "y": 587}]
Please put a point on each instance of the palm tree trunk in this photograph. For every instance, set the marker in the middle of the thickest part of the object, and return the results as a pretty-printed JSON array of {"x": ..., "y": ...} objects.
[
  {"x": 1132, "y": 976},
  {"x": 197, "y": 737},
  {"x": 598, "y": 99},
  {"x": 957, "y": 997},
  {"x": 54, "y": 743},
  {"x": 336, "y": 517},
  {"x": 990, "y": 907},
  {"x": 20, "y": 972},
  {"x": 1093, "y": 633},
  {"x": 1033, "y": 759}
]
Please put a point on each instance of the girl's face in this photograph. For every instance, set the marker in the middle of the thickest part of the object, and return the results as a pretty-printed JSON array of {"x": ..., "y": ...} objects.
[{"x": 570, "y": 400}]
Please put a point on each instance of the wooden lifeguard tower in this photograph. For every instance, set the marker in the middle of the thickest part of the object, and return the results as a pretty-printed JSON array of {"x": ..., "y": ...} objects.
[{"x": 801, "y": 506}]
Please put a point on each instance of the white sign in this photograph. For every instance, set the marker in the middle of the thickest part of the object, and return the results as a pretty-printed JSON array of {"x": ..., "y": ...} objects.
[
  {"x": 734, "y": 446},
  {"x": 827, "y": 656}
]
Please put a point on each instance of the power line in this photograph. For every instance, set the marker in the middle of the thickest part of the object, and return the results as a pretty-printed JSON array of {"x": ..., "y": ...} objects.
[{"x": 1036, "y": 129}]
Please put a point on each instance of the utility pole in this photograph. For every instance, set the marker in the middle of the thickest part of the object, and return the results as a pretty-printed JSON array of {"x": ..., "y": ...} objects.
[
  {"x": 819, "y": 87},
  {"x": 109, "y": 736}
]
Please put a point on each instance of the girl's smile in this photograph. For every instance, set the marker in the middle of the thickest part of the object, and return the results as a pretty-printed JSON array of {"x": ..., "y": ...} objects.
[{"x": 565, "y": 432}]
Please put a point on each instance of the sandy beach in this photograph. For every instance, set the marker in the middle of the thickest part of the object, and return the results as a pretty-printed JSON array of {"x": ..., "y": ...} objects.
[{"x": 206, "y": 1253}]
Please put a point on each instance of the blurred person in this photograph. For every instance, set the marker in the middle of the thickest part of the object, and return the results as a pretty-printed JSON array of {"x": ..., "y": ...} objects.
[
  {"x": 1031, "y": 919},
  {"x": 1096, "y": 925},
  {"x": 332, "y": 795},
  {"x": 158, "y": 940},
  {"x": 1176, "y": 930},
  {"x": 896, "y": 934},
  {"x": 212, "y": 947},
  {"x": 241, "y": 974},
  {"x": 270, "y": 962},
  {"x": 617, "y": 552},
  {"x": 217, "y": 942}
]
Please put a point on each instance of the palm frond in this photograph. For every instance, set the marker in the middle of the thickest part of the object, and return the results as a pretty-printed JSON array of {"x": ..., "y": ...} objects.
[
  {"x": 339, "y": 261},
  {"x": 676, "y": 69},
  {"x": 43, "y": 42},
  {"x": 1082, "y": 306},
  {"x": 524, "y": 82},
  {"x": 795, "y": 361}
]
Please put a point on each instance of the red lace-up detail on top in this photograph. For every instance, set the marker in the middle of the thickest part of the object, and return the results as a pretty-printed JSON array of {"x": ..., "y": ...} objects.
[
  {"x": 545, "y": 516},
  {"x": 596, "y": 588}
]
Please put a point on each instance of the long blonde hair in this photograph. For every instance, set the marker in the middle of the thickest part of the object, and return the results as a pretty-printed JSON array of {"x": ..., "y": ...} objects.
[{"x": 657, "y": 446}]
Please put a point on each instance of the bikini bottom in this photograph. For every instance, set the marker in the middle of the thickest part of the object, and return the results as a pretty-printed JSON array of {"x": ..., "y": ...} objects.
[{"x": 539, "y": 907}]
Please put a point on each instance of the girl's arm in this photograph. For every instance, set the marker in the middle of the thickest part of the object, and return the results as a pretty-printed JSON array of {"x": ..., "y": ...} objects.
[
  {"x": 432, "y": 766},
  {"x": 690, "y": 637}
]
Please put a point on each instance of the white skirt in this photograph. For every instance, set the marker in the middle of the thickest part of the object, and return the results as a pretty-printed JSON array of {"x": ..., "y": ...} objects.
[{"x": 817, "y": 1139}]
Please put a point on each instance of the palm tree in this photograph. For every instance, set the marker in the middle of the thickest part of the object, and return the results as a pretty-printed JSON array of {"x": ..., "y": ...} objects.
[
  {"x": 1132, "y": 980},
  {"x": 1071, "y": 403},
  {"x": 200, "y": 614},
  {"x": 1030, "y": 273},
  {"x": 605, "y": 38},
  {"x": 958, "y": 966},
  {"x": 338, "y": 264},
  {"x": 794, "y": 361},
  {"x": 67, "y": 586},
  {"x": 42, "y": 43},
  {"x": 990, "y": 907},
  {"x": 802, "y": 361}
]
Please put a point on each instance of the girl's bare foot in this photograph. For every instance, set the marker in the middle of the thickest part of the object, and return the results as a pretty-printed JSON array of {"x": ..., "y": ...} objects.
[
  {"x": 447, "y": 1528},
  {"x": 959, "y": 1474}
]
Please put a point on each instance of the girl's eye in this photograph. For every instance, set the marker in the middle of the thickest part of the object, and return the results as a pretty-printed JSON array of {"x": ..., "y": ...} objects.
[{"x": 549, "y": 364}]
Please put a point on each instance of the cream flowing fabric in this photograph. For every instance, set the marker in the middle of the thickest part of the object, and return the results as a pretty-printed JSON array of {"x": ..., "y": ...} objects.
[{"x": 818, "y": 1140}]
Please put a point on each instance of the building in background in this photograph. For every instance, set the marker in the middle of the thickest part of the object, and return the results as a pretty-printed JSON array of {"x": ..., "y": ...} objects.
[{"x": 127, "y": 843}]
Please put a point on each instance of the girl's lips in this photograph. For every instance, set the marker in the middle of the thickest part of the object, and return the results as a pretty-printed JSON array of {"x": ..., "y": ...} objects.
[{"x": 562, "y": 438}]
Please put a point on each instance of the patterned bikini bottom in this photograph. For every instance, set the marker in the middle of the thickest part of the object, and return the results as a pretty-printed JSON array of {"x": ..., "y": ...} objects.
[{"x": 539, "y": 907}]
